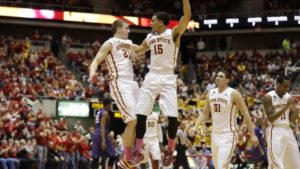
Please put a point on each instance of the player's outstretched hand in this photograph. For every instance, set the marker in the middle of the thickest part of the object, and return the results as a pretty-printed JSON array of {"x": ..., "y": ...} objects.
[{"x": 92, "y": 75}]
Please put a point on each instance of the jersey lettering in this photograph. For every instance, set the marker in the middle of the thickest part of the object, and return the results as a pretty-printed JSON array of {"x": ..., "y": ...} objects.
[
  {"x": 151, "y": 124},
  {"x": 217, "y": 108},
  {"x": 158, "y": 49}
]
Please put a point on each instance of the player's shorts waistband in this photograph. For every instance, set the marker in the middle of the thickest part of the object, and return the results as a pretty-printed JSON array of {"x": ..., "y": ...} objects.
[
  {"x": 164, "y": 72},
  {"x": 280, "y": 125}
]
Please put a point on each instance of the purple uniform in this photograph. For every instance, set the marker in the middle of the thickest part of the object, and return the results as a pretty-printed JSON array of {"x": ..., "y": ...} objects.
[
  {"x": 97, "y": 140},
  {"x": 259, "y": 154}
]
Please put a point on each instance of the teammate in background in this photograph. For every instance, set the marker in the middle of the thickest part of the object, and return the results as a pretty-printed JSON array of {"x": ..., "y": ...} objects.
[
  {"x": 164, "y": 45},
  {"x": 223, "y": 103},
  {"x": 102, "y": 144},
  {"x": 280, "y": 109},
  {"x": 124, "y": 90},
  {"x": 152, "y": 139}
]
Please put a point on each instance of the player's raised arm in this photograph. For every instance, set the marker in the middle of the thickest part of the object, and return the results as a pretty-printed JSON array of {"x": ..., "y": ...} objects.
[
  {"x": 184, "y": 21},
  {"x": 240, "y": 103},
  {"x": 104, "y": 50}
]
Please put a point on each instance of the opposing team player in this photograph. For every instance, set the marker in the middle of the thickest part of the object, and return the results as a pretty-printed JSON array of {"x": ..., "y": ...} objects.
[
  {"x": 283, "y": 152},
  {"x": 223, "y": 103},
  {"x": 124, "y": 90},
  {"x": 102, "y": 144},
  {"x": 161, "y": 80}
]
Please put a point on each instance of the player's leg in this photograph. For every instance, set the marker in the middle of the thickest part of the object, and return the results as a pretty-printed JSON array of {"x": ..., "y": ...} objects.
[
  {"x": 120, "y": 92},
  {"x": 168, "y": 104},
  {"x": 96, "y": 149},
  {"x": 275, "y": 148},
  {"x": 214, "y": 150},
  {"x": 146, "y": 153},
  {"x": 155, "y": 153},
  {"x": 111, "y": 161},
  {"x": 226, "y": 144},
  {"x": 292, "y": 155},
  {"x": 144, "y": 106}
]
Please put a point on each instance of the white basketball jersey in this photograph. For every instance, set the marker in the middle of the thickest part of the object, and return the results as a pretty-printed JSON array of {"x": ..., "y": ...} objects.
[
  {"x": 152, "y": 127},
  {"x": 163, "y": 51},
  {"x": 118, "y": 61},
  {"x": 279, "y": 103},
  {"x": 223, "y": 110}
]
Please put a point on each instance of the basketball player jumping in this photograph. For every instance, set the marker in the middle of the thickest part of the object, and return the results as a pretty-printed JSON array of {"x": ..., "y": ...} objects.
[
  {"x": 116, "y": 53},
  {"x": 161, "y": 80}
]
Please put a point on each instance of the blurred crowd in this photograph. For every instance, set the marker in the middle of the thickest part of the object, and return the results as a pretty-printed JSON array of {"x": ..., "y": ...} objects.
[
  {"x": 147, "y": 7},
  {"x": 280, "y": 5},
  {"x": 53, "y": 4}
]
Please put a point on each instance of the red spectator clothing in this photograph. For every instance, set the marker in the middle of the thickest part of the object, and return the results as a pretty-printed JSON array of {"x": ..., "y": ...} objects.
[
  {"x": 57, "y": 142},
  {"x": 51, "y": 63},
  {"x": 13, "y": 151},
  {"x": 41, "y": 138},
  {"x": 83, "y": 146},
  {"x": 19, "y": 130},
  {"x": 84, "y": 149},
  {"x": 5, "y": 154},
  {"x": 2, "y": 132},
  {"x": 62, "y": 125},
  {"x": 70, "y": 145},
  {"x": 8, "y": 126}
]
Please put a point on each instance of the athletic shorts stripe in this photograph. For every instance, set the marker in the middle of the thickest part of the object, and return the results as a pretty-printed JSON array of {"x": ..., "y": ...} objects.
[
  {"x": 230, "y": 123},
  {"x": 113, "y": 60},
  {"x": 119, "y": 99},
  {"x": 231, "y": 151},
  {"x": 109, "y": 68},
  {"x": 271, "y": 148}
]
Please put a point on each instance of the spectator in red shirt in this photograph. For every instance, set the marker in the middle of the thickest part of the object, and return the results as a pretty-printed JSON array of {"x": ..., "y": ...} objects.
[{"x": 42, "y": 141}]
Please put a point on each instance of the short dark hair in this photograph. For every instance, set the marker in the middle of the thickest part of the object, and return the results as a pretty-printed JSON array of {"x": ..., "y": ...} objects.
[
  {"x": 282, "y": 78},
  {"x": 164, "y": 17},
  {"x": 117, "y": 24},
  {"x": 106, "y": 101},
  {"x": 225, "y": 72}
]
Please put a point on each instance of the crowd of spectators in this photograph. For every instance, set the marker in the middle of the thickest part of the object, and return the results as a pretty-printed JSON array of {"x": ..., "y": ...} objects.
[
  {"x": 147, "y": 7},
  {"x": 280, "y": 5},
  {"x": 53, "y": 4},
  {"x": 34, "y": 73}
]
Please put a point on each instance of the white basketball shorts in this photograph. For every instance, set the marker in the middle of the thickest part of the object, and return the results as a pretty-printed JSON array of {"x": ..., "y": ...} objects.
[
  {"x": 151, "y": 147},
  {"x": 283, "y": 152},
  {"x": 125, "y": 93},
  {"x": 162, "y": 85},
  {"x": 222, "y": 147}
]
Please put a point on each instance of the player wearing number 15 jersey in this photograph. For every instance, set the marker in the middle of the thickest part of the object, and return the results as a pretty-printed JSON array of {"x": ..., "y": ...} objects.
[
  {"x": 124, "y": 90},
  {"x": 283, "y": 150},
  {"x": 161, "y": 80},
  {"x": 223, "y": 103}
]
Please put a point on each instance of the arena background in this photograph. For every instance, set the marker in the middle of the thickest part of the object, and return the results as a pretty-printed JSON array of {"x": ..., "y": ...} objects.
[{"x": 270, "y": 42}]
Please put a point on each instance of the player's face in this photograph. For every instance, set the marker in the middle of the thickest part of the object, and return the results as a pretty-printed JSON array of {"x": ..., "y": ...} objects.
[
  {"x": 221, "y": 79},
  {"x": 155, "y": 23},
  {"x": 283, "y": 87},
  {"x": 124, "y": 30}
]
